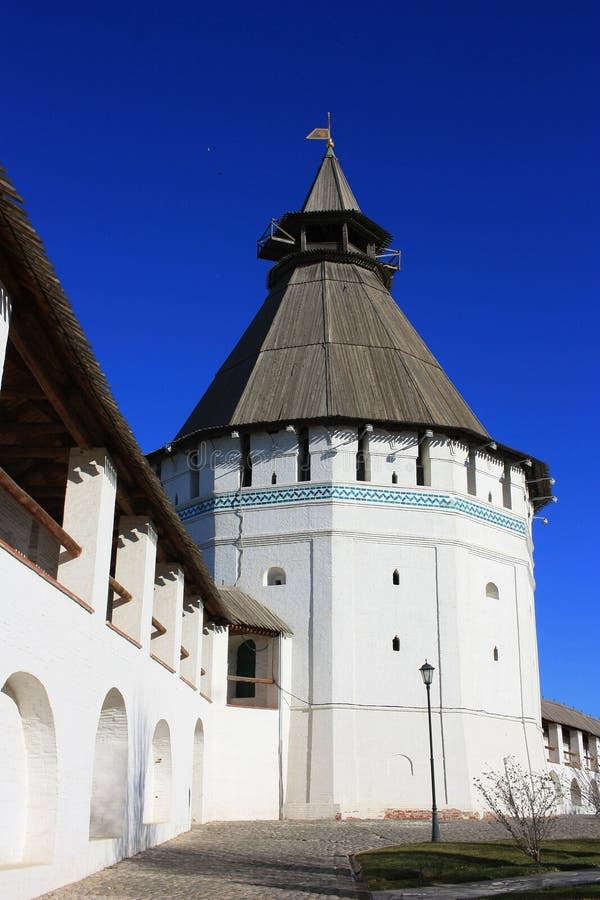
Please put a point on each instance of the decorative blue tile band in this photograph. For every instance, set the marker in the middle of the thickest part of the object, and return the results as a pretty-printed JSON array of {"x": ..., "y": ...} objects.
[{"x": 305, "y": 493}]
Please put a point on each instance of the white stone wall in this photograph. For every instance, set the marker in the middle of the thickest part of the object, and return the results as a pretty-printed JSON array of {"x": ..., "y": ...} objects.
[
  {"x": 358, "y": 729},
  {"x": 79, "y": 709}
]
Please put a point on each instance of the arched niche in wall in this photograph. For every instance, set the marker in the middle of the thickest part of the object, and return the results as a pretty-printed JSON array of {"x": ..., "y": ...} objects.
[
  {"x": 557, "y": 786},
  {"x": 595, "y": 794},
  {"x": 197, "y": 773},
  {"x": 274, "y": 576},
  {"x": 28, "y": 783},
  {"x": 109, "y": 782},
  {"x": 575, "y": 793},
  {"x": 491, "y": 591},
  {"x": 157, "y": 805}
]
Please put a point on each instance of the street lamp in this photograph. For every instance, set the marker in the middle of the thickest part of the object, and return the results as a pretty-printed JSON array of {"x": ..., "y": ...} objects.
[{"x": 427, "y": 671}]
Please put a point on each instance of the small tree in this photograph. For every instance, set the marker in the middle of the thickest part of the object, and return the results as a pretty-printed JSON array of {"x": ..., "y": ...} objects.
[{"x": 523, "y": 802}]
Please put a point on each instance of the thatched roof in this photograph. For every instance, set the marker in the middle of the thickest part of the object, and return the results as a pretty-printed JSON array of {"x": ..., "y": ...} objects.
[
  {"x": 571, "y": 718},
  {"x": 244, "y": 612},
  {"x": 50, "y": 360}
]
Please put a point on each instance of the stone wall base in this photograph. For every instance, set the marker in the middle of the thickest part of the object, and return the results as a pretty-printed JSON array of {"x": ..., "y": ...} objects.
[{"x": 424, "y": 815}]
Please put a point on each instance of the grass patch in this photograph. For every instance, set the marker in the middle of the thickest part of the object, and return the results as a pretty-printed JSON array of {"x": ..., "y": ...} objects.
[{"x": 416, "y": 865}]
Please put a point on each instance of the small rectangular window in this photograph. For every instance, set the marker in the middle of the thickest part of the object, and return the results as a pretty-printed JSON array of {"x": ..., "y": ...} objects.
[
  {"x": 363, "y": 459},
  {"x": 194, "y": 483},
  {"x": 472, "y": 473},
  {"x": 303, "y": 455}
]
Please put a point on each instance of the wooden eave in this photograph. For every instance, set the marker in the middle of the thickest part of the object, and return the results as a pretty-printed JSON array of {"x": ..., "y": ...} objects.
[
  {"x": 55, "y": 396},
  {"x": 570, "y": 717}
]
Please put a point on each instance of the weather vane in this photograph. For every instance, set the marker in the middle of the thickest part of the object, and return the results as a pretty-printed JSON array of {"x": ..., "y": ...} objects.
[{"x": 322, "y": 134}]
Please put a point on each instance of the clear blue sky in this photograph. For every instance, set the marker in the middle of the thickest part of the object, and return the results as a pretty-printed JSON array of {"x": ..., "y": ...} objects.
[{"x": 152, "y": 143}]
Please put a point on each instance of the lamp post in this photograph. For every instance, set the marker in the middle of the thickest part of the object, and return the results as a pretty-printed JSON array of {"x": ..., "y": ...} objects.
[{"x": 427, "y": 671}]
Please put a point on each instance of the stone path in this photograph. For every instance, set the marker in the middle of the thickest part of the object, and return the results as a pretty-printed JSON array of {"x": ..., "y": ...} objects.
[{"x": 274, "y": 860}]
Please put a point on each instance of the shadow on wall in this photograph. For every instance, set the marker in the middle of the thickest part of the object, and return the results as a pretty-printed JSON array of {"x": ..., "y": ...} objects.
[
  {"x": 138, "y": 833},
  {"x": 119, "y": 785}
]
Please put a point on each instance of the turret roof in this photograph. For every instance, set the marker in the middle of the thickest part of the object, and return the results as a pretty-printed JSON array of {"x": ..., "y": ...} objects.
[
  {"x": 330, "y": 343},
  {"x": 330, "y": 189}
]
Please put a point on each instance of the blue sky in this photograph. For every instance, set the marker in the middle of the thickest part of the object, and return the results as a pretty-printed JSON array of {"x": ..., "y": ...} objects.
[{"x": 152, "y": 143}]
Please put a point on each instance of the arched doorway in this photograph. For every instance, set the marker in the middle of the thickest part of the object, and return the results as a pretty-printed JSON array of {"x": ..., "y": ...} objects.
[
  {"x": 28, "y": 784},
  {"x": 109, "y": 781},
  {"x": 246, "y": 667}
]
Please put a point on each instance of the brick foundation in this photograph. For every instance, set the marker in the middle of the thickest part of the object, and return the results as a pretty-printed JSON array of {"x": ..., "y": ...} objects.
[{"x": 424, "y": 815}]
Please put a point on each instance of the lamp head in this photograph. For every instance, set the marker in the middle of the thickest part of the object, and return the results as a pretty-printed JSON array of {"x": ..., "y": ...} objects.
[{"x": 427, "y": 671}]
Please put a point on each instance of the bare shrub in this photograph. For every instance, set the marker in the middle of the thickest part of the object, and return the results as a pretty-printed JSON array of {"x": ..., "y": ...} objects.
[{"x": 524, "y": 803}]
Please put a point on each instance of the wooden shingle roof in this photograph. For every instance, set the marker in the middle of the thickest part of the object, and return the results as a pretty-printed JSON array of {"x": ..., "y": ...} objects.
[
  {"x": 330, "y": 189},
  {"x": 329, "y": 342},
  {"x": 571, "y": 718}
]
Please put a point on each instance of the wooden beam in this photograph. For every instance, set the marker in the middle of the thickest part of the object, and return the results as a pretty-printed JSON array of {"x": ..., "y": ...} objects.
[
  {"x": 16, "y": 451},
  {"x": 33, "y": 427},
  {"x": 15, "y": 393},
  {"x": 118, "y": 589},
  {"x": 159, "y": 628},
  {"x": 39, "y": 514},
  {"x": 250, "y": 680},
  {"x": 37, "y": 365}
]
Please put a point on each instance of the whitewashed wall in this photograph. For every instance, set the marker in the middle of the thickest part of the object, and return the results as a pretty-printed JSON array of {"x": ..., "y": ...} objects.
[
  {"x": 358, "y": 728},
  {"x": 58, "y": 664}
]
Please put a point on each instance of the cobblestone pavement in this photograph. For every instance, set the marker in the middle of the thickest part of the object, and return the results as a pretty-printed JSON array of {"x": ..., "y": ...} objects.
[{"x": 271, "y": 860}]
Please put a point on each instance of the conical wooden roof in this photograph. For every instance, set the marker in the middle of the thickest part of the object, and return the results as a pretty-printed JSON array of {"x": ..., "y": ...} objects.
[
  {"x": 330, "y": 189},
  {"x": 330, "y": 343}
]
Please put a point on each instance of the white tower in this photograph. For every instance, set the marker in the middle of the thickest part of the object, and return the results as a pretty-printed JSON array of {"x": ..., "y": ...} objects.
[{"x": 333, "y": 472}]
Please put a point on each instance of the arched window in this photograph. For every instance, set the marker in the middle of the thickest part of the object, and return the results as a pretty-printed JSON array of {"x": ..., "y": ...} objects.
[
  {"x": 394, "y": 478},
  {"x": 396, "y": 577},
  {"x": 495, "y": 654},
  {"x": 575, "y": 793},
  {"x": 245, "y": 667},
  {"x": 396, "y": 643},
  {"x": 489, "y": 496},
  {"x": 274, "y": 478},
  {"x": 491, "y": 591},
  {"x": 275, "y": 576}
]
